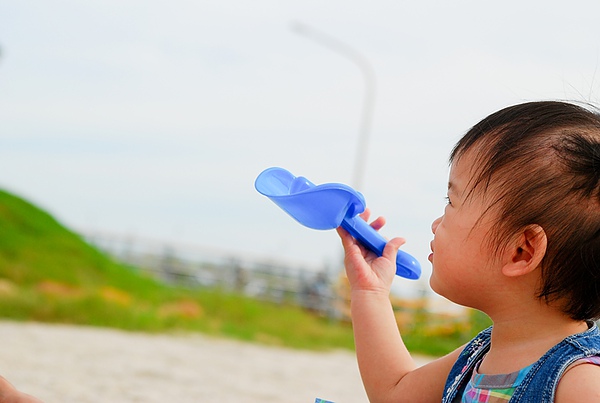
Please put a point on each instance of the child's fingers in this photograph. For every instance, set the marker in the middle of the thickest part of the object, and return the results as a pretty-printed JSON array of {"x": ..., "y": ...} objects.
[
  {"x": 347, "y": 239},
  {"x": 365, "y": 214},
  {"x": 378, "y": 223},
  {"x": 391, "y": 248},
  {"x": 349, "y": 243}
]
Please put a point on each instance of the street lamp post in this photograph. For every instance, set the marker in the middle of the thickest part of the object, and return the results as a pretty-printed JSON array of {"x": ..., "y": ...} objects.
[{"x": 369, "y": 95}]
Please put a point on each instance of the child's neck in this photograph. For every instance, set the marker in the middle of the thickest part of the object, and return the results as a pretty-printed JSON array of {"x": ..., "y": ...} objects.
[{"x": 521, "y": 337}]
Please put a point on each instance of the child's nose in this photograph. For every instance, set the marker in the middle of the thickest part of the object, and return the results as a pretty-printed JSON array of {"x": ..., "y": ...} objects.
[{"x": 435, "y": 224}]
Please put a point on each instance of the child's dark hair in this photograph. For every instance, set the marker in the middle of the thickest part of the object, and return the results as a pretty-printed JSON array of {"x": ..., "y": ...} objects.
[{"x": 540, "y": 162}]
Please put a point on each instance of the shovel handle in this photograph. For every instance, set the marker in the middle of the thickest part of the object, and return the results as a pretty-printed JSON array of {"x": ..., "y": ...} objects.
[{"x": 406, "y": 265}]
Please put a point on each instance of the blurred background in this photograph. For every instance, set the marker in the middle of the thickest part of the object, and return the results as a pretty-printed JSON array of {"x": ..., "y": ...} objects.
[
  {"x": 131, "y": 133},
  {"x": 148, "y": 121}
]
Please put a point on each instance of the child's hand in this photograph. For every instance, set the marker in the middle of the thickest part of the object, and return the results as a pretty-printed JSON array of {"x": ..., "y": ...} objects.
[
  {"x": 8, "y": 394},
  {"x": 365, "y": 270}
]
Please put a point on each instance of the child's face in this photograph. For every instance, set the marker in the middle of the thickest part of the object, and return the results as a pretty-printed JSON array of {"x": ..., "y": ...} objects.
[{"x": 461, "y": 257}]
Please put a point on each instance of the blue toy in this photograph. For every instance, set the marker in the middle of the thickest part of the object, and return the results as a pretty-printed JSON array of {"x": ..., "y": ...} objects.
[{"x": 328, "y": 206}]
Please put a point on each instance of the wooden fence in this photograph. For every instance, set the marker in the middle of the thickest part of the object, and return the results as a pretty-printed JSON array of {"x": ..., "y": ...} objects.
[{"x": 190, "y": 266}]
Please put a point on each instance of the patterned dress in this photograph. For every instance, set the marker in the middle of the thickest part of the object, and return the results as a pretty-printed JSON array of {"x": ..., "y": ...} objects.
[{"x": 499, "y": 388}]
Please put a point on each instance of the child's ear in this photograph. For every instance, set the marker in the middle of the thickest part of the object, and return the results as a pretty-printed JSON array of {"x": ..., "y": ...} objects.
[{"x": 525, "y": 254}]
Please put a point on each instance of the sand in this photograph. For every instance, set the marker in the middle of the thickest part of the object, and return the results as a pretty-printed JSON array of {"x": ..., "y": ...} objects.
[{"x": 63, "y": 363}]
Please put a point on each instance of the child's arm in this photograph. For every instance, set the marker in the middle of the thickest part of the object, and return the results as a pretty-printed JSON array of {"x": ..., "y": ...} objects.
[{"x": 387, "y": 368}]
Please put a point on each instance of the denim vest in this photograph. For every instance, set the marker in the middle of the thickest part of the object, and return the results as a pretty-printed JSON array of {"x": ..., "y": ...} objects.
[{"x": 539, "y": 385}]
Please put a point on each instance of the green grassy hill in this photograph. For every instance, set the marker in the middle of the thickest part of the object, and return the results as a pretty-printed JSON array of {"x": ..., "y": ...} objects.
[{"x": 48, "y": 273}]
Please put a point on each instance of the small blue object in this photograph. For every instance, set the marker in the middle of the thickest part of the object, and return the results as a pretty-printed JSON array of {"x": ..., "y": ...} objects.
[
  {"x": 317, "y": 400},
  {"x": 328, "y": 206}
]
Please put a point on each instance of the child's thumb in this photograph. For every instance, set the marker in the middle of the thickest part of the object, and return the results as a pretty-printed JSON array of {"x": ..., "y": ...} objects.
[{"x": 391, "y": 248}]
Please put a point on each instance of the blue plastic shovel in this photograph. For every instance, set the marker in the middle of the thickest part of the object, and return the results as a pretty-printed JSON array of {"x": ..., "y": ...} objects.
[{"x": 328, "y": 206}]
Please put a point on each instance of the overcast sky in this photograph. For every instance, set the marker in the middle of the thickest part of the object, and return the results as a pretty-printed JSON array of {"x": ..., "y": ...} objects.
[{"x": 153, "y": 118}]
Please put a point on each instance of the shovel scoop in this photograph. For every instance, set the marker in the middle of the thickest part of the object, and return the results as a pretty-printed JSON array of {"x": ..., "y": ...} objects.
[{"x": 328, "y": 206}]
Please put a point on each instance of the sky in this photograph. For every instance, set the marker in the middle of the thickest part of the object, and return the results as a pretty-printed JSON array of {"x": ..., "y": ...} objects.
[{"x": 152, "y": 118}]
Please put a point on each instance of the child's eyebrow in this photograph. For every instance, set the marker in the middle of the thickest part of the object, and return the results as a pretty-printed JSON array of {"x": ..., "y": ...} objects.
[{"x": 452, "y": 187}]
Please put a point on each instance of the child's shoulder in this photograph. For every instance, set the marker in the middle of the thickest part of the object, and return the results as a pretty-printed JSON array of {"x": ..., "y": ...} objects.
[{"x": 580, "y": 382}]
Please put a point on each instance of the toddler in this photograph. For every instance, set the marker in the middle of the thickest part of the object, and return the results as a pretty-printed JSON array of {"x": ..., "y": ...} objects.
[{"x": 519, "y": 240}]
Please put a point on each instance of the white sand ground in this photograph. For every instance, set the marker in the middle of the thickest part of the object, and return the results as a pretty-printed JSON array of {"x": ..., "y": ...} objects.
[{"x": 61, "y": 363}]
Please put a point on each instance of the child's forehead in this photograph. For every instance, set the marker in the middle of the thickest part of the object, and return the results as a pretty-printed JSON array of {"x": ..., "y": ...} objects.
[
  {"x": 464, "y": 175},
  {"x": 462, "y": 170}
]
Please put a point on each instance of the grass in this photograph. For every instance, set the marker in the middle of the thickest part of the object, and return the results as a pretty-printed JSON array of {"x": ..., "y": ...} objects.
[{"x": 50, "y": 274}]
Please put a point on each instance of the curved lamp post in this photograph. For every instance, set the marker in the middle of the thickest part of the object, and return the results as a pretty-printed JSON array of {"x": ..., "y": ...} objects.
[{"x": 369, "y": 96}]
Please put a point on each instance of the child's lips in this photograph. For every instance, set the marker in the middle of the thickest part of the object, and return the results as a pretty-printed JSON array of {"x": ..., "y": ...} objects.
[{"x": 430, "y": 257}]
